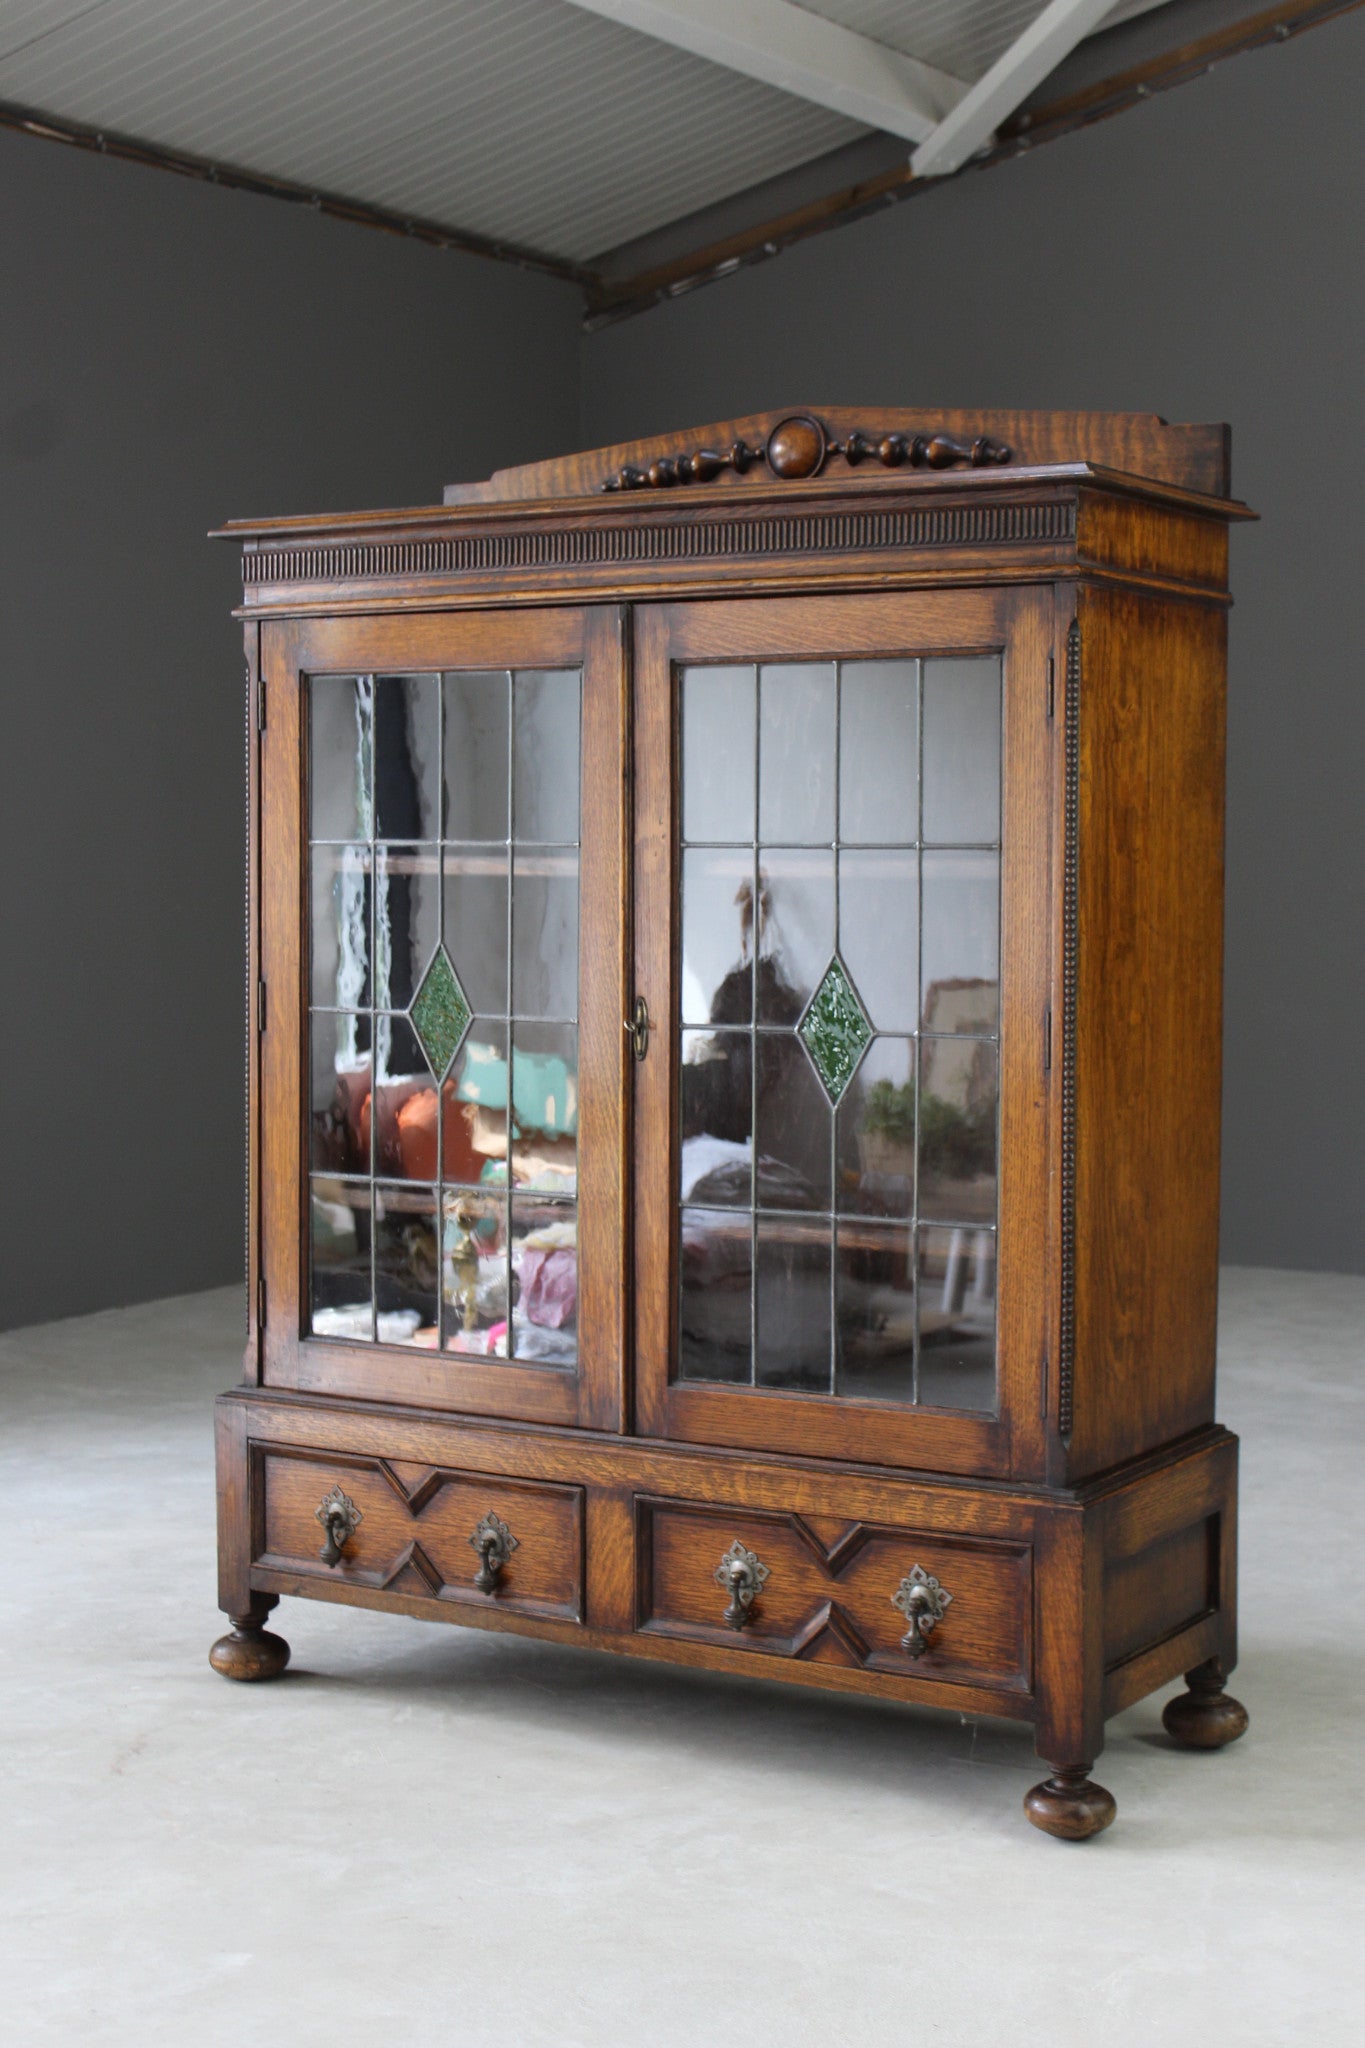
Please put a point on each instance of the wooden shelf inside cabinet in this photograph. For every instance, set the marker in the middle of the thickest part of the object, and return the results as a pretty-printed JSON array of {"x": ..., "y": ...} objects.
[{"x": 734, "y": 1137}]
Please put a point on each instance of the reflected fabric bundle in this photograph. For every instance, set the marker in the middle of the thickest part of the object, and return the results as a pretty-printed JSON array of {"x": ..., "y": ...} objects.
[{"x": 549, "y": 1283}]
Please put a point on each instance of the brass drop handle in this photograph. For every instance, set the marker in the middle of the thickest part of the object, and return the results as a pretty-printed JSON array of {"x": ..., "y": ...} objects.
[
  {"x": 340, "y": 1518},
  {"x": 495, "y": 1543},
  {"x": 637, "y": 1028},
  {"x": 921, "y": 1599},
  {"x": 743, "y": 1574}
]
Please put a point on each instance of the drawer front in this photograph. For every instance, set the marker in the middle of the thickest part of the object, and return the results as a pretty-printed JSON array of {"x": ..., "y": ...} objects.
[
  {"x": 830, "y": 1592},
  {"x": 414, "y": 1531}
]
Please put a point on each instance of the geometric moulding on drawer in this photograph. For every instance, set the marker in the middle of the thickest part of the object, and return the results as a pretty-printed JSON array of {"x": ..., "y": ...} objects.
[
  {"x": 440, "y": 1013},
  {"x": 834, "y": 1029}
]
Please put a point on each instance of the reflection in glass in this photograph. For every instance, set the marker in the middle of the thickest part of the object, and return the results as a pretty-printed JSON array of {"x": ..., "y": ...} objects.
[
  {"x": 718, "y": 732},
  {"x": 474, "y": 1272},
  {"x": 958, "y": 1110},
  {"x": 340, "y": 1294},
  {"x": 475, "y": 909},
  {"x": 874, "y": 1294},
  {"x": 877, "y": 1133},
  {"x": 405, "y": 1265},
  {"x": 474, "y": 1120},
  {"x": 545, "y": 1280},
  {"x": 795, "y": 929},
  {"x": 340, "y": 746},
  {"x": 406, "y": 757},
  {"x": 878, "y": 937},
  {"x": 545, "y": 933},
  {"x": 715, "y": 1289},
  {"x": 403, "y": 1107},
  {"x": 397, "y": 1054},
  {"x": 407, "y": 920},
  {"x": 717, "y": 935},
  {"x": 545, "y": 1108},
  {"x": 828, "y": 960},
  {"x": 418, "y": 961},
  {"x": 878, "y": 753},
  {"x": 545, "y": 748},
  {"x": 962, "y": 751},
  {"x": 792, "y": 1306},
  {"x": 956, "y": 1284},
  {"x": 339, "y": 1117},
  {"x": 716, "y": 1159},
  {"x": 796, "y": 753},
  {"x": 793, "y": 1128},
  {"x": 341, "y": 927},
  {"x": 477, "y": 722},
  {"x": 960, "y": 941}
]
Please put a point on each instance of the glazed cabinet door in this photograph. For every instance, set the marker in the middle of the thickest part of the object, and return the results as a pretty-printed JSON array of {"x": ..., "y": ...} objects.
[
  {"x": 844, "y": 936},
  {"x": 442, "y": 853}
]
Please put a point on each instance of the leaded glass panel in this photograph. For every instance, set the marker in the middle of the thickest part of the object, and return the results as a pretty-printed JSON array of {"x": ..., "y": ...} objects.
[
  {"x": 405, "y": 1260},
  {"x": 839, "y": 993},
  {"x": 341, "y": 897},
  {"x": 443, "y": 1091}
]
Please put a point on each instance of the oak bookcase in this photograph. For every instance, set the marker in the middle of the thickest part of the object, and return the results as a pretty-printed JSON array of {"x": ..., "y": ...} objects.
[{"x": 734, "y": 937}]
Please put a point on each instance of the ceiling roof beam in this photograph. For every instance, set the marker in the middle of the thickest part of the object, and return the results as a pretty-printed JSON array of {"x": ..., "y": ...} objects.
[
  {"x": 803, "y": 54},
  {"x": 969, "y": 125}
]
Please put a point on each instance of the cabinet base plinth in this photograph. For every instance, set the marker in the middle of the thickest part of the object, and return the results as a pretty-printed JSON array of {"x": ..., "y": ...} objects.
[{"x": 622, "y": 1544}]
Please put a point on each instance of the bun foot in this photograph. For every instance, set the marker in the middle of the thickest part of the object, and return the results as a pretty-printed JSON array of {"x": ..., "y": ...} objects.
[
  {"x": 1205, "y": 1717},
  {"x": 250, "y": 1652},
  {"x": 1070, "y": 1806}
]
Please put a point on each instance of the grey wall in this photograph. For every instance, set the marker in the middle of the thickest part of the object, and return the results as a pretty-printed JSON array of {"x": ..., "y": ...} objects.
[
  {"x": 1199, "y": 258},
  {"x": 172, "y": 354}
]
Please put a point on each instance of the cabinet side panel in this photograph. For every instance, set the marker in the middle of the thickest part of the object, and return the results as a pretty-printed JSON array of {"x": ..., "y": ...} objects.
[
  {"x": 1148, "y": 1022},
  {"x": 254, "y": 721}
]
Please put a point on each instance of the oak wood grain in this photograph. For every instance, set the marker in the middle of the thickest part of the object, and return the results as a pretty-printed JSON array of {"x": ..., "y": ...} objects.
[
  {"x": 418, "y": 1541},
  {"x": 833, "y": 1604},
  {"x": 1148, "y": 1046},
  {"x": 1192, "y": 456},
  {"x": 887, "y": 528}
]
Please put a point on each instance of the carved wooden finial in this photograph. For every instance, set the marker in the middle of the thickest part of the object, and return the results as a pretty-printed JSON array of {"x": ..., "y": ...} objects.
[{"x": 799, "y": 447}]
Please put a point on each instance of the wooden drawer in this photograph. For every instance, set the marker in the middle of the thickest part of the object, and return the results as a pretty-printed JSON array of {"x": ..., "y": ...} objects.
[
  {"x": 829, "y": 1594},
  {"x": 413, "y": 1535}
]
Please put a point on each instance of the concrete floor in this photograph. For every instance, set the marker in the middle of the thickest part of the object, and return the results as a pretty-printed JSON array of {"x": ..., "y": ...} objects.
[{"x": 443, "y": 1836}]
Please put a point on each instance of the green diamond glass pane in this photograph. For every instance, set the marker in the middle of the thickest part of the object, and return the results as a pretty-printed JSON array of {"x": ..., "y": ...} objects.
[
  {"x": 440, "y": 1015},
  {"x": 835, "y": 1030}
]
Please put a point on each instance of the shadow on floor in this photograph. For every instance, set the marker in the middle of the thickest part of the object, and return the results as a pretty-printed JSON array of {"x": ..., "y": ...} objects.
[{"x": 871, "y": 1746}]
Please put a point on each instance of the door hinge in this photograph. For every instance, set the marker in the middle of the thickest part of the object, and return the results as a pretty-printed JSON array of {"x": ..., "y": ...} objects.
[
  {"x": 260, "y": 1007},
  {"x": 1051, "y": 682},
  {"x": 260, "y": 703},
  {"x": 260, "y": 1301},
  {"x": 1047, "y": 1041}
]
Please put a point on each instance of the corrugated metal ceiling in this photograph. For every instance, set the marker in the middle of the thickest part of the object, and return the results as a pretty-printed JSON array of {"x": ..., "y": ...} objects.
[{"x": 528, "y": 121}]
